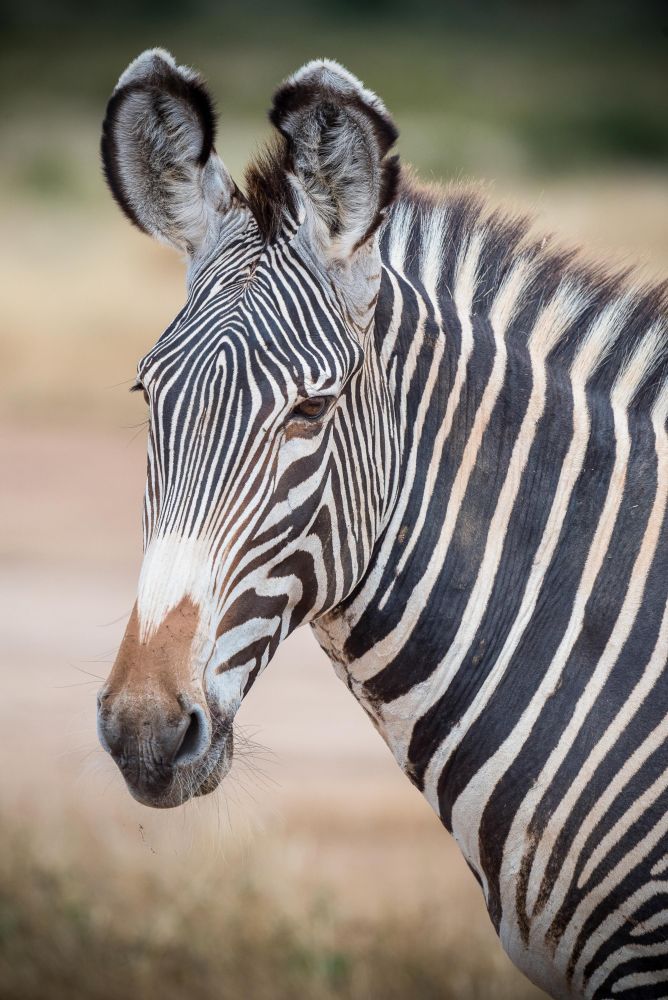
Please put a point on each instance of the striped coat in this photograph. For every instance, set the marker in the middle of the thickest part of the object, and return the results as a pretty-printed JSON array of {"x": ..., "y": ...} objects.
[
  {"x": 392, "y": 413},
  {"x": 510, "y": 639}
]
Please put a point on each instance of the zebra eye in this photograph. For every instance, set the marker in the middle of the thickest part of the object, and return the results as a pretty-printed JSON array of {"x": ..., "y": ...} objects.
[{"x": 312, "y": 409}]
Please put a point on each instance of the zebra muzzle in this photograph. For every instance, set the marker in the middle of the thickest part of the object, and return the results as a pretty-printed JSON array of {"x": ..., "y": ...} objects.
[{"x": 154, "y": 719}]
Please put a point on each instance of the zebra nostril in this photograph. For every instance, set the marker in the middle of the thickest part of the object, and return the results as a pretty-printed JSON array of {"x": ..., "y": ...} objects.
[{"x": 194, "y": 738}]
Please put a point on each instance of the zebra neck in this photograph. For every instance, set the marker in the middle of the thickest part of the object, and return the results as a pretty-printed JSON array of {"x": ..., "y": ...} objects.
[
  {"x": 512, "y": 464},
  {"x": 466, "y": 409}
]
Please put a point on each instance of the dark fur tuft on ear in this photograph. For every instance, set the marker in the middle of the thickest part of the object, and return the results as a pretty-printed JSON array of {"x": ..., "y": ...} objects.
[
  {"x": 158, "y": 152},
  {"x": 161, "y": 81},
  {"x": 388, "y": 193},
  {"x": 336, "y": 136},
  {"x": 298, "y": 94},
  {"x": 110, "y": 159}
]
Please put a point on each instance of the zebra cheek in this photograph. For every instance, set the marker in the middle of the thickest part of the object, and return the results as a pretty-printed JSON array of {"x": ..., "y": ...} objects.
[{"x": 302, "y": 430}]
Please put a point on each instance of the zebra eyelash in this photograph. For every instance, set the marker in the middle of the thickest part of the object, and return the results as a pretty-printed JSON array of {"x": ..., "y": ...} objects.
[
  {"x": 137, "y": 386},
  {"x": 312, "y": 408}
]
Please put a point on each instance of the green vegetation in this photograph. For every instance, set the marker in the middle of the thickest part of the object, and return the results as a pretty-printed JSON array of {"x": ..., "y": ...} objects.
[{"x": 501, "y": 88}]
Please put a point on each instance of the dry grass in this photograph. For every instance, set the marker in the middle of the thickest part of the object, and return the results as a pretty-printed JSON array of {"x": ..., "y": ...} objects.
[{"x": 99, "y": 929}]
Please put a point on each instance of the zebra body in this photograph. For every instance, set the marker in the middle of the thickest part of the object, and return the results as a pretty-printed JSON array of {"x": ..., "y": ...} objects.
[
  {"x": 387, "y": 412},
  {"x": 510, "y": 637}
]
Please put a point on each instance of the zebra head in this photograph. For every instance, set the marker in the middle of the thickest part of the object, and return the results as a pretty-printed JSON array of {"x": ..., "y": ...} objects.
[{"x": 271, "y": 449}]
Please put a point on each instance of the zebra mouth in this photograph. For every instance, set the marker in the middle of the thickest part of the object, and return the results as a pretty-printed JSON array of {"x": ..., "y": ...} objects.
[
  {"x": 167, "y": 788},
  {"x": 218, "y": 765}
]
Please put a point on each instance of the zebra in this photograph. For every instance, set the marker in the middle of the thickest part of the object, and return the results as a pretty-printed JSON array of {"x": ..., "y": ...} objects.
[{"x": 389, "y": 411}]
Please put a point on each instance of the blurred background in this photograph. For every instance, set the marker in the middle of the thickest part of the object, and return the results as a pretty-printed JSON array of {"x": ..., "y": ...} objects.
[{"x": 317, "y": 871}]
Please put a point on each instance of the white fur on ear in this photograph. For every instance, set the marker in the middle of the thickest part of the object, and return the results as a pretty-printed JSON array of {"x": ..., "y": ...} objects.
[
  {"x": 158, "y": 153},
  {"x": 330, "y": 74},
  {"x": 338, "y": 135}
]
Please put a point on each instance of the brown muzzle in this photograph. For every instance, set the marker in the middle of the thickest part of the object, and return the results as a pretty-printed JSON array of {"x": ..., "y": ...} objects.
[{"x": 153, "y": 716}]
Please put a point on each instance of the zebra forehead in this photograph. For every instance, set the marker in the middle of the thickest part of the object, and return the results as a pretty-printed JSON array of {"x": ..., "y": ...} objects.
[
  {"x": 290, "y": 321},
  {"x": 238, "y": 361}
]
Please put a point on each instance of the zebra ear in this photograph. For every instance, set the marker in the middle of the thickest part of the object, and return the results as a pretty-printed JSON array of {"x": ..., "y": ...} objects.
[
  {"x": 338, "y": 134},
  {"x": 158, "y": 153}
]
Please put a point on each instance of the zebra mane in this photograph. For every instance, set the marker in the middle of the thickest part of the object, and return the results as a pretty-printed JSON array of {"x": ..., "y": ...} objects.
[
  {"x": 429, "y": 229},
  {"x": 269, "y": 193}
]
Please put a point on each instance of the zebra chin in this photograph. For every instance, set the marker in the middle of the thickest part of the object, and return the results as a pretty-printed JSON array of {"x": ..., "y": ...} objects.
[{"x": 161, "y": 787}]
